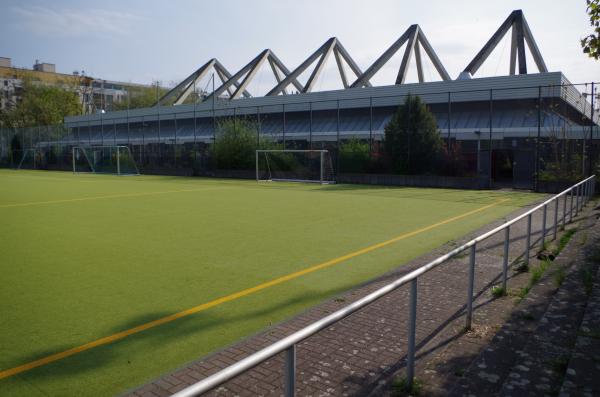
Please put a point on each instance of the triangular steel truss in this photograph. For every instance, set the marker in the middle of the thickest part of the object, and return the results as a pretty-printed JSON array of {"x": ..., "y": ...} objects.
[
  {"x": 520, "y": 34},
  {"x": 183, "y": 90},
  {"x": 333, "y": 45},
  {"x": 235, "y": 86},
  {"x": 250, "y": 70},
  {"x": 416, "y": 39}
]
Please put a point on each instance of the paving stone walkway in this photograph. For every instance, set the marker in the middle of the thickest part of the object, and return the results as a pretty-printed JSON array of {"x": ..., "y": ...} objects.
[
  {"x": 530, "y": 353},
  {"x": 582, "y": 373},
  {"x": 363, "y": 353}
]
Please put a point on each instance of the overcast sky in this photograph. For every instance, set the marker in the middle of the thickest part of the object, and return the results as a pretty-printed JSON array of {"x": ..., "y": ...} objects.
[{"x": 142, "y": 40}]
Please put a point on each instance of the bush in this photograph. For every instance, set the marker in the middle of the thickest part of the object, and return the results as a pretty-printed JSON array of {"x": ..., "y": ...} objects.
[
  {"x": 236, "y": 141},
  {"x": 235, "y": 144},
  {"x": 354, "y": 156}
]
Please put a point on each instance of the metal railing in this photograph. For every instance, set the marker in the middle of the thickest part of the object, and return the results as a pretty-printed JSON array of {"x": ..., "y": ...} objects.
[{"x": 578, "y": 195}]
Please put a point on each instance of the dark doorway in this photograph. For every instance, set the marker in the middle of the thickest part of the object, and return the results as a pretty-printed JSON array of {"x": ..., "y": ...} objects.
[
  {"x": 524, "y": 169},
  {"x": 502, "y": 165}
]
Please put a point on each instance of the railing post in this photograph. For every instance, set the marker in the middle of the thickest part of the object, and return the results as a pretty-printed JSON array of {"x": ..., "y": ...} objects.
[
  {"x": 290, "y": 371},
  {"x": 572, "y": 203},
  {"x": 470, "y": 287},
  {"x": 528, "y": 240},
  {"x": 564, "y": 215},
  {"x": 554, "y": 231},
  {"x": 577, "y": 193},
  {"x": 545, "y": 213},
  {"x": 412, "y": 329},
  {"x": 505, "y": 259},
  {"x": 589, "y": 191}
]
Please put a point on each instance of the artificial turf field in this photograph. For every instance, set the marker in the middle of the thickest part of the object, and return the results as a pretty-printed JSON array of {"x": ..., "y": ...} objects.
[{"x": 85, "y": 257}]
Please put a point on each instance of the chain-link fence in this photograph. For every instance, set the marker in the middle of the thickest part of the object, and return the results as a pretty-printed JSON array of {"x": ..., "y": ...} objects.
[{"x": 538, "y": 137}]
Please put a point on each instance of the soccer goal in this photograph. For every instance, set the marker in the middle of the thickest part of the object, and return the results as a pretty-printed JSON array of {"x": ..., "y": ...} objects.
[
  {"x": 104, "y": 160},
  {"x": 294, "y": 166},
  {"x": 32, "y": 159}
]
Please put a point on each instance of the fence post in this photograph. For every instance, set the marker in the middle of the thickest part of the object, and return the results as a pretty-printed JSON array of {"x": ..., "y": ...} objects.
[
  {"x": 470, "y": 287},
  {"x": 545, "y": 213},
  {"x": 290, "y": 371},
  {"x": 412, "y": 329},
  {"x": 528, "y": 243},
  {"x": 505, "y": 259},
  {"x": 555, "y": 218}
]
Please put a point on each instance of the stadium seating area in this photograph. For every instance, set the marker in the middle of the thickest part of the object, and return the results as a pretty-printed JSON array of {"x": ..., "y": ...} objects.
[{"x": 299, "y": 123}]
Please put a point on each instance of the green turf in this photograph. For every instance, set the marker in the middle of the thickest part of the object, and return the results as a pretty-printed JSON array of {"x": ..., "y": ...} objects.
[{"x": 76, "y": 271}]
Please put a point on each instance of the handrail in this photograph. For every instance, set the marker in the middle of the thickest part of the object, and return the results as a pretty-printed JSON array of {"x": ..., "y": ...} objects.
[{"x": 584, "y": 190}]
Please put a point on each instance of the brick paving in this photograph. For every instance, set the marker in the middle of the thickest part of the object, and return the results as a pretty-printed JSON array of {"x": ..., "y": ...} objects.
[{"x": 361, "y": 354}]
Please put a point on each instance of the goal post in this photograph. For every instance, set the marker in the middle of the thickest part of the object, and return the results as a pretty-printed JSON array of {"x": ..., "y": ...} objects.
[
  {"x": 116, "y": 159},
  {"x": 294, "y": 165}
]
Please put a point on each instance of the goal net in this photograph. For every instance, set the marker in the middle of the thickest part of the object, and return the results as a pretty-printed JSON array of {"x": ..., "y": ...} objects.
[
  {"x": 294, "y": 166},
  {"x": 104, "y": 160}
]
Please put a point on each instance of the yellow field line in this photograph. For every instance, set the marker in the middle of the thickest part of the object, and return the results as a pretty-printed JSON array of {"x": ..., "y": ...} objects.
[
  {"x": 104, "y": 197},
  {"x": 120, "y": 335}
]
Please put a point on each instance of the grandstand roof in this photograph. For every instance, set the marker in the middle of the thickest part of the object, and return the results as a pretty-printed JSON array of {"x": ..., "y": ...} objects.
[{"x": 232, "y": 98}]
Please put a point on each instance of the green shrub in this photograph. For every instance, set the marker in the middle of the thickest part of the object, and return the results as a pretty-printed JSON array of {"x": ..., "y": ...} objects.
[
  {"x": 354, "y": 156},
  {"x": 235, "y": 144}
]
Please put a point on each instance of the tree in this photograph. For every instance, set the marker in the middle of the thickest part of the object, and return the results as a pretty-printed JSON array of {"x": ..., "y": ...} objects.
[
  {"x": 41, "y": 105},
  {"x": 591, "y": 43},
  {"x": 140, "y": 97},
  {"x": 412, "y": 140}
]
